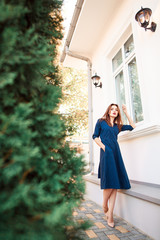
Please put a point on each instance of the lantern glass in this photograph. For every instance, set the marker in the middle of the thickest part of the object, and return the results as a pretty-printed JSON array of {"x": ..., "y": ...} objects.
[
  {"x": 96, "y": 80},
  {"x": 143, "y": 17}
]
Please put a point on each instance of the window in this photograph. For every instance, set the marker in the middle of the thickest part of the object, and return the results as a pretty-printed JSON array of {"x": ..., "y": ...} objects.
[{"x": 126, "y": 80}]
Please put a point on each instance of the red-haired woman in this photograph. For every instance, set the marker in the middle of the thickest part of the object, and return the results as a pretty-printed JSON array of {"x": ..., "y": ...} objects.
[{"x": 111, "y": 170}]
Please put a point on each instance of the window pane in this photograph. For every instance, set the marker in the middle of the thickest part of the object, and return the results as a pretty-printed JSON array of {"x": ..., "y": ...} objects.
[
  {"x": 135, "y": 91},
  {"x": 120, "y": 92},
  {"x": 117, "y": 60},
  {"x": 129, "y": 46}
]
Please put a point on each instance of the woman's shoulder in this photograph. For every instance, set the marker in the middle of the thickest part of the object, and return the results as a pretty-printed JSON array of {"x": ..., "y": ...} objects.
[
  {"x": 98, "y": 120},
  {"x": 101, "y": 119},
  {"x": 103, "y": 123}
]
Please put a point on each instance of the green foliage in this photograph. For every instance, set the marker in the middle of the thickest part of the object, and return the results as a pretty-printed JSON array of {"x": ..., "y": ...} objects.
[
  {"x": 75, "y": 100},
  {"x": 40, "y": 177}
]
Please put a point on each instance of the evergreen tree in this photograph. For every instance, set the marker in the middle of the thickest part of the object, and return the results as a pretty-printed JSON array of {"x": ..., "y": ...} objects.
[{"x": 40, "y": 177}]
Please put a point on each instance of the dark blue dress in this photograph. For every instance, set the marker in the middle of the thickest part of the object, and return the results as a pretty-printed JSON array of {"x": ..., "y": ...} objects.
[{"x": 111, "y": 169}]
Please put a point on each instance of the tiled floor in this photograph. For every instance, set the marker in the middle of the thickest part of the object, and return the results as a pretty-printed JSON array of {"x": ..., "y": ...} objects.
[{"x": 100, "y": 229}]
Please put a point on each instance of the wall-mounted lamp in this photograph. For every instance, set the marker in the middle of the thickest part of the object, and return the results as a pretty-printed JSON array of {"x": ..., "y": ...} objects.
[
  {"x": 96, "y": 81},
  {"x": 143, "y": 18}
]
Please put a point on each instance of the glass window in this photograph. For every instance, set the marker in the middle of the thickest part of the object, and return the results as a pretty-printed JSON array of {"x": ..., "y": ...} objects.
[
  {"x": 120, "y": 92},
  {"x": 117, "y": 60},
  {"x": 129, "y": 46},
  {"x": 126, "y": 81},
  {"x": 135, "y": 91}
]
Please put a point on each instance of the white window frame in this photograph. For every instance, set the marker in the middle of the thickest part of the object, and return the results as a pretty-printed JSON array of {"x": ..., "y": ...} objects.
[{"x": 124, "y": 68}]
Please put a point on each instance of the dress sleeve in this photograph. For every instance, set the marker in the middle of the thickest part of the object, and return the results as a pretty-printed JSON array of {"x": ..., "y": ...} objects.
[
  {"x": 126, "y": 127},
  {"x": 97, "y": 130}
]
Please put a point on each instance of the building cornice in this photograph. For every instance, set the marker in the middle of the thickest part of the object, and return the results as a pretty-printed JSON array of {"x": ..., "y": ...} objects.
[
  {"x": 73, "y": 24},
  {"x": 139, "y": 131}
]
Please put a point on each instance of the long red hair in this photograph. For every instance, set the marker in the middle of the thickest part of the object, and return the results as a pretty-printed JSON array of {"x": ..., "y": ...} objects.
[{"x": 117, "y": 120}]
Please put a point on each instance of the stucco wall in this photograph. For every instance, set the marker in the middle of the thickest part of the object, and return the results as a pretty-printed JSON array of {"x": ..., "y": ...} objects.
[
  {"x": 142, "y": 158},
  {"x": 141, "y": 154}
]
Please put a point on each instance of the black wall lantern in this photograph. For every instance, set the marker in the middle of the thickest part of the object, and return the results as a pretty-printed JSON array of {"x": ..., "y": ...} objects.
[
  {"x": 96, "y": 80},
  {"x": 143, "y": 18}
]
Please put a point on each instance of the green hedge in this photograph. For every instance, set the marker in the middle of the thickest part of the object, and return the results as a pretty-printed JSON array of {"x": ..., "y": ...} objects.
[{"x": 40, "y": 177}]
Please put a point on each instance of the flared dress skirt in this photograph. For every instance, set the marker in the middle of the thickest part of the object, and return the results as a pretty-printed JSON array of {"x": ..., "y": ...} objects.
[{"x": 111, "y": 171}]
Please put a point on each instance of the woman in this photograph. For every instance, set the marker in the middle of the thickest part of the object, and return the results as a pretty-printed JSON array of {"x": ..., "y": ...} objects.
[{"x": 111, "y": 167}]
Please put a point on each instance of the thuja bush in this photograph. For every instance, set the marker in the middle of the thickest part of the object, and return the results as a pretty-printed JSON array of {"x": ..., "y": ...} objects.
[{"x": 40, "y": 176}]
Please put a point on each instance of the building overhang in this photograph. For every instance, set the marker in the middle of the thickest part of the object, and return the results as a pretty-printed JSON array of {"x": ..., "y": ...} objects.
[{"x": 90, "y": 20}]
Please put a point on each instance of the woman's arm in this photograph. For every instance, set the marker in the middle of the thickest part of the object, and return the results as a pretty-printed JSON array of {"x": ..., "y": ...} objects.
[
  {"x": 99, "y": 143},
  {"x": 128, "y": 117}
]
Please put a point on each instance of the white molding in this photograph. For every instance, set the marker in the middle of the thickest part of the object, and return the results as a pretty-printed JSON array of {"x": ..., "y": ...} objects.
[
  {"x": 140, "y": 131},
  {"x": 142, "y": 190}
]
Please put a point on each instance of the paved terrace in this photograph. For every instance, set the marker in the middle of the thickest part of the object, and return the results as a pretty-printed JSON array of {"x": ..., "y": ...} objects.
[{"x": 100, "y": 230}]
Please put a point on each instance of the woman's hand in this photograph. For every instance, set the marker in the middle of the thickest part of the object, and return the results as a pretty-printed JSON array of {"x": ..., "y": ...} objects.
[
  {"x": 99, "y": 143},
  {"x": 124, "y": 108}
]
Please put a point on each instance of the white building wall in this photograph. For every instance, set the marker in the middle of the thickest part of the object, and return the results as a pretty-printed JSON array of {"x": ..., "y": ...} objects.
[
  {"x": 141, "y": 154},
  {"x": 142, "y": 158}
]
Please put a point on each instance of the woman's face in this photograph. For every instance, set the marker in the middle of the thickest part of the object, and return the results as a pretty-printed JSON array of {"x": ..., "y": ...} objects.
[{"x": 113, "y": 111}]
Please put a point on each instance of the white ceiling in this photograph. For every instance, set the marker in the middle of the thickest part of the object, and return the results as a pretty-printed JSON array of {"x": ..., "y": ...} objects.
[{"x": 94, "y": 17}]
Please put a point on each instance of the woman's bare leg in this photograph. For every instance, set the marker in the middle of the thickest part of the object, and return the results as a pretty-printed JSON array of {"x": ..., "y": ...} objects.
[
  {"x": 112, "y": 200},
  {"x": 106, "y": 196}
]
